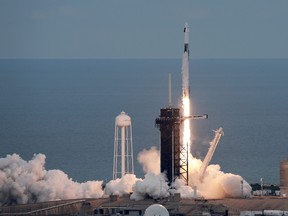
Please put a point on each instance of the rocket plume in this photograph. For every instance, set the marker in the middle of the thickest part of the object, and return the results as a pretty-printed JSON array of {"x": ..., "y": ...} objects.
[{"x": 186, "y": 140}]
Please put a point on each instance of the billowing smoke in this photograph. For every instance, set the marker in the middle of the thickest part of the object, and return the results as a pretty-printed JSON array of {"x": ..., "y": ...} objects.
[
  {"x": 150, "y": 160},
  {"x": 216, "y": 183},
  {"x": 152, "y": 185},
  {"x": 185, "y": 190},
  {"x": 28, "y": 182},
  {"x": 121, "y": 186}
]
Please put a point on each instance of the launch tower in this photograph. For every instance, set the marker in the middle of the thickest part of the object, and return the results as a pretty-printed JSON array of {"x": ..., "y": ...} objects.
[
  {"x": 169, "y": 126},
  {"x": 171, "y": 160}
]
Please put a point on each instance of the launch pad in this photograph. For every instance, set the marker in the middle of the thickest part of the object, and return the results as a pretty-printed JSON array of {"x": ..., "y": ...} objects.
[
  {"x": 174, "y": 156},
  {"x": 169, "y": 126}
]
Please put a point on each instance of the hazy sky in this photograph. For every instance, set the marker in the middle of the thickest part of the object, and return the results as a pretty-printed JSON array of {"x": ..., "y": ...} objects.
[{"x": 143, "y": 29}]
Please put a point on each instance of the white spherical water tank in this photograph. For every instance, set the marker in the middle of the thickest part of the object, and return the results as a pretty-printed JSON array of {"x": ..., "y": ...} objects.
[
  {"x": 123, "y": 120},
  {"x": 156, "y": 209},
  {"x": 123, "y": 146}
]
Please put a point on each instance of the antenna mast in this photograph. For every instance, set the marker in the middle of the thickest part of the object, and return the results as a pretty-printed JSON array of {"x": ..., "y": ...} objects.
[{"x": 170, "y": 92}]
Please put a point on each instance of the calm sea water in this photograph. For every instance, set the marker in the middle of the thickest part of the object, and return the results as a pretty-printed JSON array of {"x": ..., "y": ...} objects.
[{"x": 66, "y": 110}]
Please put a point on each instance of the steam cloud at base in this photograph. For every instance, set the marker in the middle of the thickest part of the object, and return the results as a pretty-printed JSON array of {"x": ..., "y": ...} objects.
[
  {"x": 216, "y": 183},
  {"x": 152, "y": 185},
  {"x": 29, "y": 182},
  {"x": 121, "y": 186}
]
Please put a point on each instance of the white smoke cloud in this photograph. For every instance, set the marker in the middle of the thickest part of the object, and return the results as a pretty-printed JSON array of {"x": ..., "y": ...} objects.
[
  {"x": 28, "y": 182},
  {"x": 121, "y": 186},
  {"x": 150, "y": 160},
  {"x": 216, "y": 183},
  {"x": 185, "y": 190},
  {"x": 152, "y": 185}
]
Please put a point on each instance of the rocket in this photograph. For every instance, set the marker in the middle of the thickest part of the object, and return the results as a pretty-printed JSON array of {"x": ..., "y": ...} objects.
[{"x": 185, "y": 63}]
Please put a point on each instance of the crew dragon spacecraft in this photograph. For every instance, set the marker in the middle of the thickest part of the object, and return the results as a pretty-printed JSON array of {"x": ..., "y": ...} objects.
[{"x": 174, "y": 126}]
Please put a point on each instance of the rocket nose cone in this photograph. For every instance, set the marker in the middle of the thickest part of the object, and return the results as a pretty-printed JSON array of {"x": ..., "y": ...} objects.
[{"x": 186, "y": 28}]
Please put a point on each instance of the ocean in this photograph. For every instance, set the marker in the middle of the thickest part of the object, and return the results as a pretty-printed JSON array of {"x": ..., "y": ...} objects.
[{"x": 66, "y": 109}]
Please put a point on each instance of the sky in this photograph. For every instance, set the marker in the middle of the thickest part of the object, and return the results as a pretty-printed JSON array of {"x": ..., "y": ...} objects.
[{"x": 143, "y": 29}]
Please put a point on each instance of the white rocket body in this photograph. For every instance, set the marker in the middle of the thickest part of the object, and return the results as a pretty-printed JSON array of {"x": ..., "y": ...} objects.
[{"x": 185, "y": 64}]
